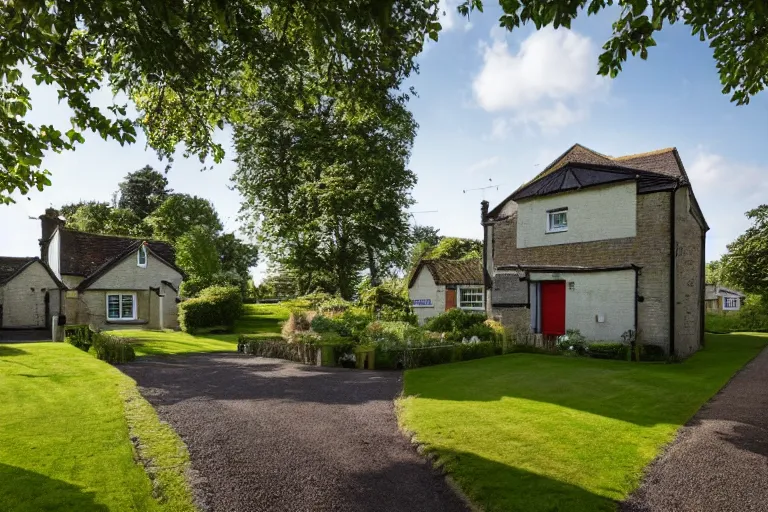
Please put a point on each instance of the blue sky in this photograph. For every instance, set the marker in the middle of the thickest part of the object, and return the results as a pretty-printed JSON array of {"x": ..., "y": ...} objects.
[{"x": 493, "y": 108}]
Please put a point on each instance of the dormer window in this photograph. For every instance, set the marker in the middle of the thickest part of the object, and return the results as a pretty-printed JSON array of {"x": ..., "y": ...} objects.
[
  {"x": 557, "y": 220},
  {"x": 141, "y": 257}
]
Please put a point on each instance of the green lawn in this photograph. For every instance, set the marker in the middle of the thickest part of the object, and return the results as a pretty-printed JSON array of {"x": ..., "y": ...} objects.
[
  {"x": 64, "y": 436},
  {"x": 528, "y": 432},
  {"x": 258, "y": 318}
]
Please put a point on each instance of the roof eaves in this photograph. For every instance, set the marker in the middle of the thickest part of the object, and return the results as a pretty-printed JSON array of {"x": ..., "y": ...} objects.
[
  {"x": 19, "y": 270},
  {"x": 104, "y": 268}
]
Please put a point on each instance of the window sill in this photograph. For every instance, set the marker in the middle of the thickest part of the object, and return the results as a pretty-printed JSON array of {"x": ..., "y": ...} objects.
[
  {"x": 128, "y": 322},
  {"x": 471, "y": 309},
  {"x": 552, "y": 231}
]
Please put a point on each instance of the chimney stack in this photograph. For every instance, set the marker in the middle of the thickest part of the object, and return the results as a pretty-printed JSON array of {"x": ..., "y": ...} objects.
[
  {"x": 483, "y": 211},
  {"x": 49, "y": 221}
]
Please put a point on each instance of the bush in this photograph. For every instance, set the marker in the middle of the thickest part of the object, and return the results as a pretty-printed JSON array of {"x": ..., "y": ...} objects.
[
  {"x": 298, "y": 321},
  {"x": 572, "y": 342},
  {"x": 216, "y": 306},
  {"x": 608, "y": 350},
  {"x": 482, "y": 331},
  {"x": 325, "y": 324},
  {"x": 112, "y": 349},
  {"x": 405, "y": 358},
  {"x": 78, "y": 336},
  {"x": 334, "y": 304},
  {"x": 454, "y": 320}
]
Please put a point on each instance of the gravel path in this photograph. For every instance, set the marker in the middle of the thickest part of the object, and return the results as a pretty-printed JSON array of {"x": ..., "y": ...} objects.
[
  {"x": 265, "y": 434},
  {"x": 719, "y": 461}
]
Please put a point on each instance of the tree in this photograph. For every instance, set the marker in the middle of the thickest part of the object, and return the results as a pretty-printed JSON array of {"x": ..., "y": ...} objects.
[
  {"x": 451, "y": 248},
  {"x": 746, "y": 264},
  {"x": 713, "y": 271},
  {"x": 324, "y": 180},
  {"x": 179, "y": 213},
  {"x": 236, "y": 256},
  {"x": 91, "y": 216},
  {"x": 737, "y": 31},
  {"x": 183, "y": 65},
  {"x": 143, "y": 191},
  {"x": 423, "y": 239},
  {"x": 196, "y": 253}
]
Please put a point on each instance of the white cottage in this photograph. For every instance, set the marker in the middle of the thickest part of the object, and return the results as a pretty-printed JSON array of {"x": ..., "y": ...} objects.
[{"x": 439, "y": 285}]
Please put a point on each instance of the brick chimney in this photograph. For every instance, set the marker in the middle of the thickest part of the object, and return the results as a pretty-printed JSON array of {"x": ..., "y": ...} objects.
[
  {"x": 483, "y": 211},
  {"x": 49, "y": 221}
]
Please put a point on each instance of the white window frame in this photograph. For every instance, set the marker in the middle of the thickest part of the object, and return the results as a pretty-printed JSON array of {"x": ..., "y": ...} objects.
[
  {"x": 121, "y": 318},
  {"x": 142, "y": 252},
  {"x": 550, "y": 218},
  {"x": 473, "y": 308},
  {"x": 730, "y": 308}
]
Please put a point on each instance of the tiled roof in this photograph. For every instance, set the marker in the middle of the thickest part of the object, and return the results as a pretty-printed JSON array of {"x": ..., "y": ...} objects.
[
  {"x": 10, "y": 266},
  {"x": 664, "y": 163},
  {"x": 452, "y": 271},
  {"x": 83, "y": 254}
]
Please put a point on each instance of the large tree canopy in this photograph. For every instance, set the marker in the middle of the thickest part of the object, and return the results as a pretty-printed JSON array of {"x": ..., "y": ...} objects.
[
  {"x": 182, "y": 64},
  {"x": 143, "y": 191},
  {"x": 746, "y": 264}
]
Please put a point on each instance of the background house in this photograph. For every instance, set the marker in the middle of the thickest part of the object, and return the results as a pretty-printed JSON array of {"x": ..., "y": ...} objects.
[
  {"x": 112, "y": 282},
  {"x": 439, "y": 285},
  {"x": 603, "y": 245},
  {"x": 30, "y": 294},
  {"x": 720, "y": 299}
]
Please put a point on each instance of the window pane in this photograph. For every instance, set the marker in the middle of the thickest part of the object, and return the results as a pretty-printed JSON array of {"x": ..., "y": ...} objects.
[
  {"x": 142, "y": 256},
  {"x": 127, "y": 306},
  {"x": 113, "y": 306},
  {"x": 471, "y": 297}
]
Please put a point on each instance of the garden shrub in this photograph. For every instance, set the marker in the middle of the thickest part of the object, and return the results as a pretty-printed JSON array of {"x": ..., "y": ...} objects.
[
  {"x": 467, "y": 351},
  {"x": 458, "y": 324},
  {"x": 334, "y": 304},
  {"x": 112, "y": 349},
  {"x": 298, "y": 321},
  {"x": 216, "y": 306},
  {"x": 326, "y": 324},
  {"x": 78, "y": 336},
  {"x": 389, "y": 302},
  {"x": 602, "y": 350}
]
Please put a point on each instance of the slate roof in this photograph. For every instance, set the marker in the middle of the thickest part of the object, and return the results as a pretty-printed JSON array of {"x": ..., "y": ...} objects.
[
  {"x": 11, "y": 266},
  {"x": 446, "y": 272},
  {"x": 581, "y": 166},
  {"x": 82, "y": 254}
]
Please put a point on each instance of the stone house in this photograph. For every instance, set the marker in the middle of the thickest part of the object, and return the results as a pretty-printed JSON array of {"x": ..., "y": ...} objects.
[
  {"x": 720, "y": 299},
  {"x": 439, "y": 285},
  {"x": 30, "y": 294},
  {"x": 604, "y": 245},
  {"x": 111, "y": 282}
]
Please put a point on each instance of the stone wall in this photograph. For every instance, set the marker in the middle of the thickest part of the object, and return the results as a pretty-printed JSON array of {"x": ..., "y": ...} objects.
[
  {"x": 688, "y": 276},
  {"x": 23, "y": 298}
]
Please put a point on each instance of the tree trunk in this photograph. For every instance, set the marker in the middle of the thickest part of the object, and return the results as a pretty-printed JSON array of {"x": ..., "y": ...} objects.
[{"x": 372, "y": 266}]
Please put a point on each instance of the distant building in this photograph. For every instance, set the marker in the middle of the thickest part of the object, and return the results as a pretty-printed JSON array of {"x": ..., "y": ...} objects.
[
  {"x": 440, "y": 285},
  {"x": 720, "y": 299}
]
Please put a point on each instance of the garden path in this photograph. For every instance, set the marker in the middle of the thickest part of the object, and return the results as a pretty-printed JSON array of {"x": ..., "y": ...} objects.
[{"x": 266, "y": 434}]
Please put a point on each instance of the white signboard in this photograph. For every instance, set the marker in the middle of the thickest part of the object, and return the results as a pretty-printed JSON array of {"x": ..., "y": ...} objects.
[{"x": 422, "y": 303}]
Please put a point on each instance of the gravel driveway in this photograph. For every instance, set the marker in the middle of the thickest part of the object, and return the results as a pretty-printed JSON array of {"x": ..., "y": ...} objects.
[
  {"x": 265, "y": 434},
  {"x": 719, "y": 461}
]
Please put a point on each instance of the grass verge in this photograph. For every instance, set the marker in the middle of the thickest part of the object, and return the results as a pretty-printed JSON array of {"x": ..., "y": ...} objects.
[
  {"x": 527, "y": 432},
  {"x": 66, "y": 422}
]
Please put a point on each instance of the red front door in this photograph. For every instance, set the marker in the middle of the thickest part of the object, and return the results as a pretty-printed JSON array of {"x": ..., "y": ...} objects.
[{"x": 553, "y": 307}]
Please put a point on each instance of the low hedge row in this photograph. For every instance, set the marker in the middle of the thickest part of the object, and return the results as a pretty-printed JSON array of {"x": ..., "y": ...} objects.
[
  {"x": 276, "y": 347},
  {"x": 428, "y": 356},
  {"x": 112, "y": 349},
  {"x": 217, "y": 306}
]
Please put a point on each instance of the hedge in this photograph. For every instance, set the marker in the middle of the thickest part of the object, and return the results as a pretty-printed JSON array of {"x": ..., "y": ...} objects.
[
  {"x": 112, "y": 349},
  {"x": 217, "y": 306},
  {"x": 608, "y": 350},
  {"x": 428, "y": 356}
]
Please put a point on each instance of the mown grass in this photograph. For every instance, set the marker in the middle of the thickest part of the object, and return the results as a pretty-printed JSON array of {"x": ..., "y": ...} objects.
[
  {"x": 65, "y": 419},
  {"x": 258, "y": 318},
  {"x": 528, "y": 432}
]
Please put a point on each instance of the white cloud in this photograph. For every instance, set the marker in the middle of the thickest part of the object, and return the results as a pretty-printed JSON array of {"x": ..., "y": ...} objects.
[
  {"x": 549, "y": 83},
  {"x": 483, "y": 164},
  {"x": 448, "y": 15},
  {"x": 725, "y": 190}
]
